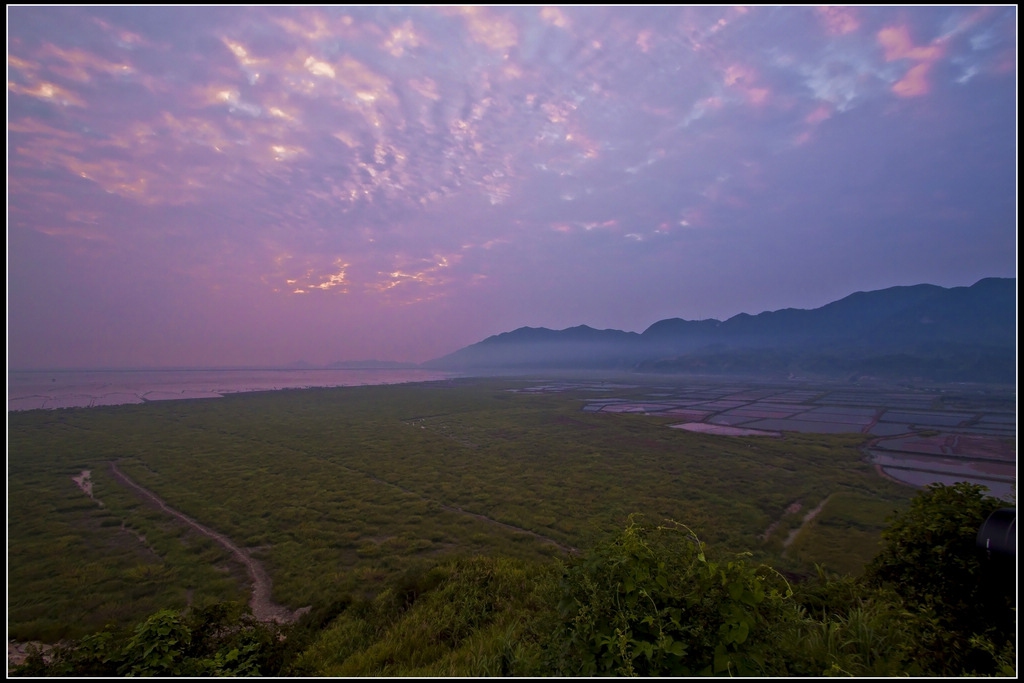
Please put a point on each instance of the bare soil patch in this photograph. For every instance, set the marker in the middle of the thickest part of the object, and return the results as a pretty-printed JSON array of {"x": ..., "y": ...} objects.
[{"x": 84, "y": 482}]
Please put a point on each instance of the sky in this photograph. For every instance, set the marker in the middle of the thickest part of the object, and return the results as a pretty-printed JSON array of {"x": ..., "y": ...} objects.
[{"x": 196, "y": 187}]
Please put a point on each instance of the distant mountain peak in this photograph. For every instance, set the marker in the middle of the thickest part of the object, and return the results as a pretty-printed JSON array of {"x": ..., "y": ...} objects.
[{"x": 970, "y": 328}]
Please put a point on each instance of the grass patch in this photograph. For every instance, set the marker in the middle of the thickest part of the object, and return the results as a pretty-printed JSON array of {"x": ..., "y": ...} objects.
[{"x": 341, "y": 488}]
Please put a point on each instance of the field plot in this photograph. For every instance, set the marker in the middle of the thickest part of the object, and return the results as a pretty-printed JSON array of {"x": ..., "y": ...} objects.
[
  {"x": 977, "y": 419},
  {"x": 980, "y": 459},
  {"x": 722, "y": 430},
  {"x": 931, "y": 419},
  {"x": 808, "y": 426},
  {"x": 889, "y": 429},
  {"x": 628, "y": 407},
  {"x": 335, "y": 490},
  {"x": 695, "y": 415}
]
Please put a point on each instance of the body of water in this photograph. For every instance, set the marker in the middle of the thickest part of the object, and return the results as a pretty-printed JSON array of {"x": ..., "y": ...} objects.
[{"x": 29, "y": 390}]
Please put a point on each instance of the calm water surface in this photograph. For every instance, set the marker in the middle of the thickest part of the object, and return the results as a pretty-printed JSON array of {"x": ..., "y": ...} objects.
[{"x": 28, "y": 390}]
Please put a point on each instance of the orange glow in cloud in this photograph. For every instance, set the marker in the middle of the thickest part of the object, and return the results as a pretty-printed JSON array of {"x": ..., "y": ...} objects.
[
  {"x": 402, "y": 38},
  {"x": 368, "y": 85},
  {"x": 318, "y": 68},
  {"x": 838, "y": 20},
  {"x": 406, "y": 285},
  {"x": 78, "y": 65},
  {"x": 241, "y": 53},
  {"x": 333, "y": 277},
  {"x": 494, "y": 32},
  {"x": 21, "y": 64},
  {"x": 554, "y": 16},
  {"x": 115, "y": 177},
  {"x": 736, "y": 73},
  {"x": 742, "y": 78},
  {"x": 915, "y": 82},
  {"x": 47, "y": 91},
  {"x": 897, "y": 44}
]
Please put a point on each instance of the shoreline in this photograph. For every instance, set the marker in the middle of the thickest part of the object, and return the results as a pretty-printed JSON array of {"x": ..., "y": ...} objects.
[{"x": 30, "y": 390}]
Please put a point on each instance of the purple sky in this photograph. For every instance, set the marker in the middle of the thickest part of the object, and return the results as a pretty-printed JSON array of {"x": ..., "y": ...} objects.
[{"x": 223, "y": 187}]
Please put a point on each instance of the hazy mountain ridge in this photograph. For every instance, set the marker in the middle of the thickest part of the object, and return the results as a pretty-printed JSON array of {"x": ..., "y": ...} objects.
[{"x": 959, "y": 333}]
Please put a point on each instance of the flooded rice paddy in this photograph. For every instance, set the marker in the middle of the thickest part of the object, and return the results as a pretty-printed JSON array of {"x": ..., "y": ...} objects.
[{"x": 935, "y": 434}]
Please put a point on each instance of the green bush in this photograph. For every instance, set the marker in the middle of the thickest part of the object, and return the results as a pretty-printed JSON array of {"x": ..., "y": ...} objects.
[
  {"x": 652, "y": 603},
  {"x": 223, "y": 639},
  {"x": 965, "y": 602}
]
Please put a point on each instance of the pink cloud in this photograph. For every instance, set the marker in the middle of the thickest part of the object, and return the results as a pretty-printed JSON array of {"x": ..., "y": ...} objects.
[
  {"x": 838, "y": 20},
  {"x": 897, "y": 44},
  {"x": 743, "y": 79},
  {"x": 802, "y": 138},
  {"x": 915, "y": 82},
  {"x": 820, "y": 114}
]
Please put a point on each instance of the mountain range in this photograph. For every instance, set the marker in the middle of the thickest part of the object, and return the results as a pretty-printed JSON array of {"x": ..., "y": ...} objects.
[{"x": 923, "y": 331}]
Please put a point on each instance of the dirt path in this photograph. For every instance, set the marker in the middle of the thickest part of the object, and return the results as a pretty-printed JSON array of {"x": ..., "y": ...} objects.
[
  {"x": 84, "y": 482},
  {"x": 807, "y": 520},
  {"x": 791, "y": 509},
  {"x": 263, "y": 607}
]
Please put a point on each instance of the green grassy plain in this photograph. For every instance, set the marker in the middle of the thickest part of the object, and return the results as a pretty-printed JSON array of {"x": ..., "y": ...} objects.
[{"x": 337, "y": 491}]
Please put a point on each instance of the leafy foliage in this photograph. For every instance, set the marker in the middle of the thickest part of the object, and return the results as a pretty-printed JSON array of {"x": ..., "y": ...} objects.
[
  {"x": 652, "y": 603},
  {"x": 653, "y": 600},
  {"x": 930, "y": 551},
  {"x": 967, "y": 603},
  {"x": 220, "y": 640}
]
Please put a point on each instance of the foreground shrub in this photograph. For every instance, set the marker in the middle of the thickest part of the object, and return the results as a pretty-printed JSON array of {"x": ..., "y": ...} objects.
[
  {"x": 469, "y": 617},
  {"x": 965, "y": 603},
  {"x": 652, "y": 603},
  {"x": 846, "y": 628},
  {"x": 223, "y": 639}
]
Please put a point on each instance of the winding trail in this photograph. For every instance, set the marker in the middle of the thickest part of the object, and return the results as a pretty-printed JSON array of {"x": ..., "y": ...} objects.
[
  {"x": 807, "y": 520},
  {"x": 263, "y": 607},
  {"x": 791, "y": 509}
]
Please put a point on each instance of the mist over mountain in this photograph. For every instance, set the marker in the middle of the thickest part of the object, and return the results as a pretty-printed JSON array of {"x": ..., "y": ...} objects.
[
  {"x": 371, "y": 365},
  {"x": 926, "y": 331}
]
